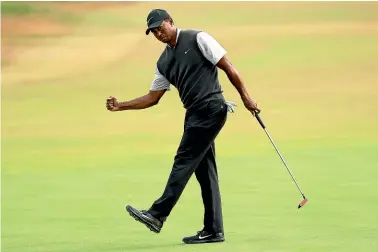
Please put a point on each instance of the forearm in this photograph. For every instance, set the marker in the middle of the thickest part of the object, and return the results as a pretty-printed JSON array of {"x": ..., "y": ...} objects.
[
  {"x": 234, "y": 77},
  {"x": 142, "y": 102}
]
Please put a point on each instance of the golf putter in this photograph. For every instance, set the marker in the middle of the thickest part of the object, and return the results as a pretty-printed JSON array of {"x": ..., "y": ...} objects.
[{"x": 304, "y": 201}]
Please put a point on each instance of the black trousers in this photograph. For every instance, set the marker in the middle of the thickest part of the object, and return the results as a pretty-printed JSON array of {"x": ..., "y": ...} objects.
[{"x": 196, "y": 154}]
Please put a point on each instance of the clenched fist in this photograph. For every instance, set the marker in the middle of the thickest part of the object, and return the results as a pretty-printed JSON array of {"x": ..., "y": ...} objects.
[{"x": 112, "y": 104}]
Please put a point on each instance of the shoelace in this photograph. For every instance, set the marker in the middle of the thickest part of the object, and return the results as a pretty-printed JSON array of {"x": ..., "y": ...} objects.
[
  {"x": 200, "y": 232},
  {"x": 231, "y": 106}
]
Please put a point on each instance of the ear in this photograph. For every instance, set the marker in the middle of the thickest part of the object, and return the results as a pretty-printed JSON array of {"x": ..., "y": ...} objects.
[{"x": 171, "y": 21}]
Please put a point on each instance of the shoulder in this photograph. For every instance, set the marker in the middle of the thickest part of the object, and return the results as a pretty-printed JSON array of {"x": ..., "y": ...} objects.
[
  {"x": 204, "y": 37},
  {"x": 205, "y": 40},
  {"x": 210, "y": 47},
  {"x": 190, "y": 32}
]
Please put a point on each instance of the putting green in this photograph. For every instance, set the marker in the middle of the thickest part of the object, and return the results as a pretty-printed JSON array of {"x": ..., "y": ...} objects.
[{"x": 69, "y": 167}]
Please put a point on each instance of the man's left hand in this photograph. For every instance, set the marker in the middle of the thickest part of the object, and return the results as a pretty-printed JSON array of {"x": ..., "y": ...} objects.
[{"x": 251, "y": 105}]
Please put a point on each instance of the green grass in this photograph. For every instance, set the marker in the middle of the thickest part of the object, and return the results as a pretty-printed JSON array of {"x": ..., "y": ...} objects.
[
  {"x": 21, "y": 8},
  {"x": 79, "y": 204},
  {"x": 69, "y": 167},
  {"x": 33, "y": 9}
]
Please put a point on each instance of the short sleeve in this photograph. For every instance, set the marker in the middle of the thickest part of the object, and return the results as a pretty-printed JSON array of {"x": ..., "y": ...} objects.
[
  {"x": 210, "y": 48},
  {"x": 159, "y": 82}
]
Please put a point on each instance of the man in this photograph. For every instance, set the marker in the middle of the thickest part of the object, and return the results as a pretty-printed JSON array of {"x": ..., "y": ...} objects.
[{"x": 190, "y": 62}]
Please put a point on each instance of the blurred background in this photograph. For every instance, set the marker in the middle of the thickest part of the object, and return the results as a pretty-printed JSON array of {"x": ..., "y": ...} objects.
[{"x": 69, "y": 166}]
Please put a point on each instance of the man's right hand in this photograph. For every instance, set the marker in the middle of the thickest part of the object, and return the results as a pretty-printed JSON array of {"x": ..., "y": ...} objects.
[{"x": 112, "y": 104}]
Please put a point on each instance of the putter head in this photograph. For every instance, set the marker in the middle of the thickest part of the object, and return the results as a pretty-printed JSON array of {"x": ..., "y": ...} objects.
[{"x": 303, "y": 202}]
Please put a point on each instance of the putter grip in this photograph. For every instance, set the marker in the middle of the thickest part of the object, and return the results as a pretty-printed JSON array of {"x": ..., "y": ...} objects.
[{"x": 260, "y": 121}]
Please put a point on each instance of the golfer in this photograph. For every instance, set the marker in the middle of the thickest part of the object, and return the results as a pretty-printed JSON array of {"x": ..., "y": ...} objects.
[{"x": 190, "y": 63}]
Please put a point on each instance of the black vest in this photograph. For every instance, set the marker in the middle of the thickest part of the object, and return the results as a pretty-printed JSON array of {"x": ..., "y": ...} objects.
[{"x": 185, "y": 67}]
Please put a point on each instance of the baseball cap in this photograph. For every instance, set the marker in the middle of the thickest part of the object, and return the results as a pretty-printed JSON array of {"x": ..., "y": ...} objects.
[{"x": 155, "y": 18}]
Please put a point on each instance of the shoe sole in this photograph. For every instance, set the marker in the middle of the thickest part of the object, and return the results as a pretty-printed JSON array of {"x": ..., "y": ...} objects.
[
  {"x": 205, "y": 241},
  {"x": 136, "y": 215}
]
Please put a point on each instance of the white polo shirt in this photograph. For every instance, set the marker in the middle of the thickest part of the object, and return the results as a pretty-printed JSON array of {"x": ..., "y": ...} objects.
[{"x": 209, "y": 47}]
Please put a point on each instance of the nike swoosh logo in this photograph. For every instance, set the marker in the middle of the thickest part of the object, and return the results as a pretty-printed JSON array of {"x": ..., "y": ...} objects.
[
  {"x": 188, "y": 51},
  {"x": 203, "y": 237},
  {"x": 149, "y": 19}
]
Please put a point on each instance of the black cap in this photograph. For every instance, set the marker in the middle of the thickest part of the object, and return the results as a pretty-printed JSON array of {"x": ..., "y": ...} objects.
[{"x": 155, "y": 18}]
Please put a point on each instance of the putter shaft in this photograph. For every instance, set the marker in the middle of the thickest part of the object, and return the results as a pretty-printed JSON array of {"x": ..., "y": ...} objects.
[{"x": 287, "y": 167}]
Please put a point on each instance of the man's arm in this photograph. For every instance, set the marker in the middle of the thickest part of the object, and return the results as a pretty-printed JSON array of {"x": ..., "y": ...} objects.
[
  {"x": 236, "y": 80},
  {"x": 216, "y": 54},
  {"x": 143, "y": 102},
  {"x": 158, "y": 88}
]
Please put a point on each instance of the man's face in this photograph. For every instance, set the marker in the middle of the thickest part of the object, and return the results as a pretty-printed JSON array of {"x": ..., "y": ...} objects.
[{"x": 164, "y": 32}]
